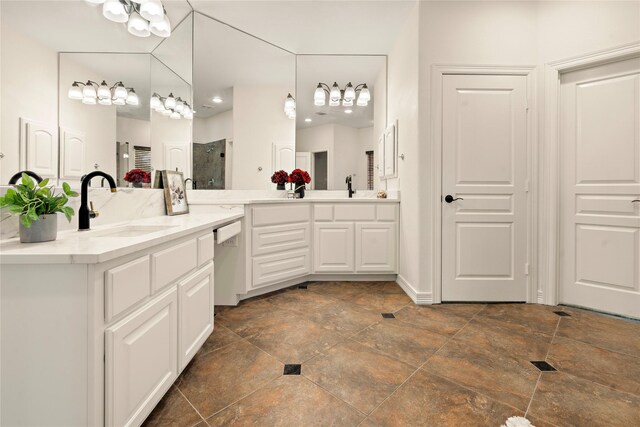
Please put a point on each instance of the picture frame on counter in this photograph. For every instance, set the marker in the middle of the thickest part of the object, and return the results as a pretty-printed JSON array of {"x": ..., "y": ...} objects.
[{"x": 175, "y": 194}]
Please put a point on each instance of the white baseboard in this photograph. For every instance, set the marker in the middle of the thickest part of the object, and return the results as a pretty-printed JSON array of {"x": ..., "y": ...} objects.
[{"x": 421, "y": 298}]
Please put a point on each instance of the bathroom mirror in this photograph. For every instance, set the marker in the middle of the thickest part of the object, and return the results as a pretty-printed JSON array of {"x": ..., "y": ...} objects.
[
  {"x": 240, "y": 131},
  {"x": 338, "y": 128}
]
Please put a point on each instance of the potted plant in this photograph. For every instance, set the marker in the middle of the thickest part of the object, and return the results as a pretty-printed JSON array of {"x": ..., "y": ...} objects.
[
  {"x": 280, "y": 178},
  {"x": 137, "y": 177},
  {"x": 38, "y": 206},
  {"x": 299, "y": 179}
]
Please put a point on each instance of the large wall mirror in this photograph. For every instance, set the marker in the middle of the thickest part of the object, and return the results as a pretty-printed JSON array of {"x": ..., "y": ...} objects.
[
  {"x": 240, "y": 131},
  {"x": 341, "y": 112}
]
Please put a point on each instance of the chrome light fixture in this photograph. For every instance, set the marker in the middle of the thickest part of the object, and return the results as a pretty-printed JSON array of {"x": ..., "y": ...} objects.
[
  {"x": 93, "y": 93},
  {"x": 290, "y": 107},
  {"x": 174, "y": 108},
  {"x": 337, "y": 96},
  {"x": 143, "y": 17}
]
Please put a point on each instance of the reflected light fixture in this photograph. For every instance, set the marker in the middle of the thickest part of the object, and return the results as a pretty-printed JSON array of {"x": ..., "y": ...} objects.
[
  {"x": 217, "y": 99},
  {"x": 92, "y": 93},
  {"x": 337, "y": 96},
  {"x": 143, "y": 17},
  {"x": 174, "y": 108},
  {"x": 308, "y": 120},
  {"x": 290, "y": 107}
]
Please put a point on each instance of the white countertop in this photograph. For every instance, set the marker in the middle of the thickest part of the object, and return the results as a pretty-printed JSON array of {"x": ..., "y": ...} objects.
[
  {"x": 90, "y": 247},
  {"x": 255, "y": 201}
]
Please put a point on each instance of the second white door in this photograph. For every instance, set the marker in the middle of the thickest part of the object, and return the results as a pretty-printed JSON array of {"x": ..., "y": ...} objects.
[{"x": 484, "y": 163}]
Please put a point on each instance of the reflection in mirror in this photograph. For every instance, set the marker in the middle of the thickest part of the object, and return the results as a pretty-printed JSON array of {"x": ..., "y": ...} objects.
[
  {"x": 339, "y": 119},
  {"x": 240, "y": 131}
]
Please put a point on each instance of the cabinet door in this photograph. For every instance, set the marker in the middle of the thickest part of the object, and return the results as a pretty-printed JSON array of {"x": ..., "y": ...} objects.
[
  {"x": 195, "y": 313},
  {"x": 141, "y": 360},
  {"x": 376, "y": 247},
  {"x": 333, "y": 248}
]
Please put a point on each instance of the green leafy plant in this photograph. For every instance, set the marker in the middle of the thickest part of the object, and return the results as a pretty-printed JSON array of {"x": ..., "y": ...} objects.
[{"x": 30, "y": 200}]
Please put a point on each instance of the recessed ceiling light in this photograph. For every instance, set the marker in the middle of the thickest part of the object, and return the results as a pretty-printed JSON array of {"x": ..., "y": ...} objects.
[
  {"x": 307, "y": 120},
  {"x": 217, "y": 99},
  {"x": 348, "y": 111}
]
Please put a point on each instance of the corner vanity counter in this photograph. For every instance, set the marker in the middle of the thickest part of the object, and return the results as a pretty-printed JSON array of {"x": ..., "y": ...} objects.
[{"x": 97, "y": 325}]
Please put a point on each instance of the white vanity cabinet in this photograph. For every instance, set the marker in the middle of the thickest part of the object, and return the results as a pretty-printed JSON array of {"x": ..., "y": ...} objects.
[{"x": 355, "y": 238}]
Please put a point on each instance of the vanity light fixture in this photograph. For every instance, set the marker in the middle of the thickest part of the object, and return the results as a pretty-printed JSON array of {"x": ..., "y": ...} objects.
[
  {"x": 290, "y": 107},
  {"x": 172, "y": 107},
  {"x": 93, "y": 93},
  {"x": 143, "y": 17},
  {"x": 346, "y": 96}
]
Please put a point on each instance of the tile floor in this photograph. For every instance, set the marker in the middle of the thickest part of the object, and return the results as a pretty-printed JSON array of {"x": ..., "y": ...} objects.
[{"x": 442, "y": 365}]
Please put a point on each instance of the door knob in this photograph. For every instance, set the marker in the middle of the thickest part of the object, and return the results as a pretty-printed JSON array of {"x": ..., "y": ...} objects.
[{"x": 449, "y": 198}]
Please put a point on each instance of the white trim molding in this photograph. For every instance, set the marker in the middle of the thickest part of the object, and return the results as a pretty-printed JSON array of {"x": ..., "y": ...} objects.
[
  {"x": 549, "y": 267},
  {"x": 435, "y": 164},
  {"x": 420, "y": 298}
]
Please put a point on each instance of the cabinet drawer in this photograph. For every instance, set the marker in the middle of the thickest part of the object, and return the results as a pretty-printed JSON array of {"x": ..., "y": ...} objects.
[
  {"x": 386, "y": 212},
  {"x": 141, "y": 360},
  {"x": 278, "y": 238},
  {"x": 195, "y": 322},
  {"x": 354, "y": 212},
  {"x": 169, "y": 264},
  {"x": 275, "y": 268},
  {"x": 280, "y": 214},
  {"x": 205, "y": 249},
  {"x": 323, "y": 212},
  {"x": 126, "y": 285}
]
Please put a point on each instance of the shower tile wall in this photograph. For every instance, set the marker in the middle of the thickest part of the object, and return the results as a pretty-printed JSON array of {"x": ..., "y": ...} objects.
[{"x": 209, "y": 165}]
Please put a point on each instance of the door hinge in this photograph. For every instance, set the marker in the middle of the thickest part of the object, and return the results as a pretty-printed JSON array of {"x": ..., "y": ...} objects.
[
  {"x": 526, "y": 269},
  {"x": 526, "y": 186}
]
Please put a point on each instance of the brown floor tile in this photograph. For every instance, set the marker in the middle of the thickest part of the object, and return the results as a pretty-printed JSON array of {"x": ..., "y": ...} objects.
[
  {"x": 601, "y": 331},
  {"x": 466, "y": 310},
  {"x": 605, "y": 367},
  {"x": 219, "y": 338},
  {"x": 501, "y": 376},
  {"x": 405, "y": 342},
  {"x": 512, "y": 339},
  {"x": 357, "y": 374},
  {"x": 288, "y": 401},
  {"x": 434, "y": 318},
  {"x": 344, "y": 317},
  {"x": 235, "y": 318},
  {"x": 301, "y": 300},
  {"x": 173, "y": 410},
  {"x": 343, "y": 291},
  {"x": 428, "y": 400},
  {"x": 290, "y": 337},
  {"x": 539, "y": 318},
  {"x": 537, "y": 422},
  {"x": 221, "y": 377},
  {"x": 569, "y": 401},
  {"x": 382, "y": 302}
]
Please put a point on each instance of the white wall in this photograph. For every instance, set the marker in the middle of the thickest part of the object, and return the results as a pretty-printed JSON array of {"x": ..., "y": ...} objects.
[
  {"x": 133, "y": 131},
  {"x": 28, "y": 88},
  {"x": 258, "y": 122}
]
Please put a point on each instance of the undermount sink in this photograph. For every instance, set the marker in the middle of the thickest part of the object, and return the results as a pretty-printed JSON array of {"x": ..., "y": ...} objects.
[{"x": 130, "y": 231}]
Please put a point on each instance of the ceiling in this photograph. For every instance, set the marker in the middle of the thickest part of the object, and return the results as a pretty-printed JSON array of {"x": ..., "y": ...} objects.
[
  {"x": 316, "y": 26},
  {"x": 313, "y": 69}
]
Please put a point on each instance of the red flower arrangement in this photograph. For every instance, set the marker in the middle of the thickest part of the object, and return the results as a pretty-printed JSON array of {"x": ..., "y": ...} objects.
[
  {"x": 299, "y": 176},
  {"x": 137, "y": 175},
  {"x": 280, "y": 177}
]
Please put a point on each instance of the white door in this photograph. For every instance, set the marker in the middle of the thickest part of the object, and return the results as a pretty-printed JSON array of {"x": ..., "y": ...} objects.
[
  {"x": 334, "y": 248},
  {"x": 176, "y": 157},
  {"x": 484, "y": 160},
  {"x": 39, "y": 148},
  {"x": 303, "y": 161},
  {"x": 284, "y": 157},
  {"x": 600, "y": 223}
]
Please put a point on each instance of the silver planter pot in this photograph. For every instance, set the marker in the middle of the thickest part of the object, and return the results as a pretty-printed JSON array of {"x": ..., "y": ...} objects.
[{"x": 45, "y": 229}]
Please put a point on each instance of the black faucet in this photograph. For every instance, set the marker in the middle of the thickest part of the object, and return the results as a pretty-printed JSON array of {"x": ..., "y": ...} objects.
[
  {"x": 351, "y": 191},
  {"x": 84, "y": 214},
  {"x": 14, "y": 179}
]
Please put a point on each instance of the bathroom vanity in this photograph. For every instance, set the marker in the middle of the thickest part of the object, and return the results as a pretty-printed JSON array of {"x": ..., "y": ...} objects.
[{"x": 97, "y": 325}]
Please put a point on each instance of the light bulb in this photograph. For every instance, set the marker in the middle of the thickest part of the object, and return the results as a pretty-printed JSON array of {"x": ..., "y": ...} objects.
[
  {"x": 289, "y": 103},
  {"x": 308, "y": 120},
  {"x": 89, "y": 100},
  {"x": 138, "y": 26},
  {"x": 151, "y": 10},
  {"x": 361, "y": 102},
  {"x": 179, "y": 106},
  {"x": 120, "y": 92},
  {"x": 335, "y": 92},
  {"x": 365, "y": 94},
  {"x": 348, "y": 103},
  {"x": 104, "y": 101},
  {"x": 291, "y": 114},
  {"x": 334, "y": 102},
  {"x": 155, "y": 101},
  {"x": 88, "y": 91},
  {"x": 132, "y": 98},
  {"x": 161, "y": 28},
  {"x": 118, "y": 101},
  {"x": 175, "y": 115},
  {"x": 104, "y": 91},
  {"x": 170, "y": 102},
  {"x": 115, "y": 11},
  {"x": 319, "y": 97},
  {"x": 75, "y": 92},
  {"x": 166, "y": 112},
  {"x": 188, "y": 114},
  {"x": 349, "y": 93},
  {"x": 160, "y": 108}
]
